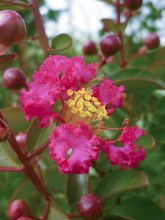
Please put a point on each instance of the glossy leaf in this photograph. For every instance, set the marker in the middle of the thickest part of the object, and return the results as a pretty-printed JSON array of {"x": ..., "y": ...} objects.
[
  {"x": 140, "y": 208},
  {"x": 56, "y": 213},
  {"x": 36, "y": 135},
  {"x": 76, "y": 186},
  {"x": 8, "y": 157},
  {"x": 120, "y": 181},
  {"x": 61, "y": 42},
  {"x": 15, "y": 118}
]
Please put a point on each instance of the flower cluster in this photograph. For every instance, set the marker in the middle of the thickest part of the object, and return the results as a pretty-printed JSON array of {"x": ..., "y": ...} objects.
[{"x": 75, "y": 143}]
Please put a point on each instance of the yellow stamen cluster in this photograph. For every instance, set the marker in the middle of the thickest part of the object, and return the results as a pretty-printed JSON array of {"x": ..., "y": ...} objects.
[{"x": 82, "y": 106}]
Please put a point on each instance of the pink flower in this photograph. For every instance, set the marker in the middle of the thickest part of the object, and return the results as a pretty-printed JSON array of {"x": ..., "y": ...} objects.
[
  {"x": 55, "y": 76},
  {"x": 109, "y": 95},
  {"x": 130, "y": 135},
  {"x": 128, "y": 155},
  {"x": 80, "y": 141}
]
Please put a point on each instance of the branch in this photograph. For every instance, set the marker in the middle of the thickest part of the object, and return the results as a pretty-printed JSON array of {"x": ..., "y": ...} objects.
[
  {"x": 38, "y": 150},
  {"x": 123, "y": 62},
  {"x": 39, "y": 25},
  {"x": 16, "y": 3},
  {"x": 11, "y": 169}
]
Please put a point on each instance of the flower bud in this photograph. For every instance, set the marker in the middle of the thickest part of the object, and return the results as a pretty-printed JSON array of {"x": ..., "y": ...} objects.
[
  {"x": 133, "y": 4},
  {"x": 90, "y": 207},
  {"x": 152, "y": 41},
  {"x": 24, "y": 218},
  {"x": 17, "y": 208},
  {"x": 143, "y": 50},
  {"x": 21, "y": 139},
  {"x": 89, "y": 48},
  {"x": 12, "y": 27},
  {"x": 110, "y": 44},
  {"x": 13, "y": 78}
]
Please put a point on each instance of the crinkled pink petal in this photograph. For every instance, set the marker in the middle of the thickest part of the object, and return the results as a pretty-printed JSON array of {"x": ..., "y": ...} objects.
[
  {"x": 125, "y": 156},
  {"x": 129, "y": 155},
  {"x": 80, "y": 141},
  {"x": 56, "y": 75},
  {"x": 130, "y": 135},
  {"x": 109, "y": 95}
]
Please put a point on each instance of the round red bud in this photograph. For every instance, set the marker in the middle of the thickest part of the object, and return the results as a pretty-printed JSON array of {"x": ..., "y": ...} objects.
[
  {"x": 143, "y": 50},
  {"x": 13, "y": 78},
  {"x": 90, "y": 207},
  {"x": 110, "y": 44},
  {"x": 152, "y": 41},
  {"x": 24, "y": 218},
  {"x": 89, "y": 48},
  {"x": 17, "y": 208},
  {"x": 133, "y": 4},
  {"x": 12, "y": 27}
]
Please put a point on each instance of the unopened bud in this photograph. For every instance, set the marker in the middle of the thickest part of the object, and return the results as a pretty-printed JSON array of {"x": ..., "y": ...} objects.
[
  {"x": 17, "y": 208},
  {"x": 89, "y": 48},
  {"x": 110, "y": 44},
  {"x": 152, "y": 41},
  {"x": 143, "y": 50},
  {"x": 24, "y": 218},
  {"x": 13, "y": 78},
  {"x": 12, "y": 27},
  {"x": 133, "y": 4},
  {"x": 90, "y": 207}
]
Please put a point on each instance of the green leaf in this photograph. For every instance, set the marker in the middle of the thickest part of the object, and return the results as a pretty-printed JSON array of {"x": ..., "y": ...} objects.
[
  {"x": 147, "y": 141},
  {"x": 8, "y": 157},
  {"x": 76, "y": 186},
  {"x": 6, "y": 60},
  {"x": 111, "y": 25},
  {"x": 15, "y": 118},
  {"x": 56, "y": 213},
  {"x": 140, "y": 208},
  {"x": 140, "y": 85},
  {"x": 61, "y": 42},
  {"x": 120, "y": 181},
  {"x": 36, "y": 135}
]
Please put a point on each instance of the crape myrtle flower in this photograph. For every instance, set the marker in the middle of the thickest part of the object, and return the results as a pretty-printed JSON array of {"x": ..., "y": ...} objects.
[
  {"x": 75, "y": 143},
  {"x": 129, "y": 155}
]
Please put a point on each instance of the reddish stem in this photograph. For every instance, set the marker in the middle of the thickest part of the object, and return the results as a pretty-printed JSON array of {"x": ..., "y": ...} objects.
[
  {"x": 71, "y": 215},
  {"x": 28, "y": 168},
  {"x": 11, "y": 169},
  {"x": 46, "y": 212},
  {"x": 38, "y": 150},
  {"x": 16, "y": 3},
  {"x": 39, "y": 25},
  {"x": 123, "y": 62}
]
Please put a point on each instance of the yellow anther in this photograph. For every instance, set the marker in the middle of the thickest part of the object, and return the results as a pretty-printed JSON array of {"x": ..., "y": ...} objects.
[
  {"x": 87, "y": 97},
  {"x": 72, "y": 104},
  {"x": 83, "y": 114},
  {"x": 74, "y": 110},
  {"x": 70, "y": 92},
  {"x": 85, "y": 107},
  {"x": 79, "y": 105}
]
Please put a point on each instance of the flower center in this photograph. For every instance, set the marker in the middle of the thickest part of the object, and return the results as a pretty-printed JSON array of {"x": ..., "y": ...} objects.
[{"x": 82, "y": 106}]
